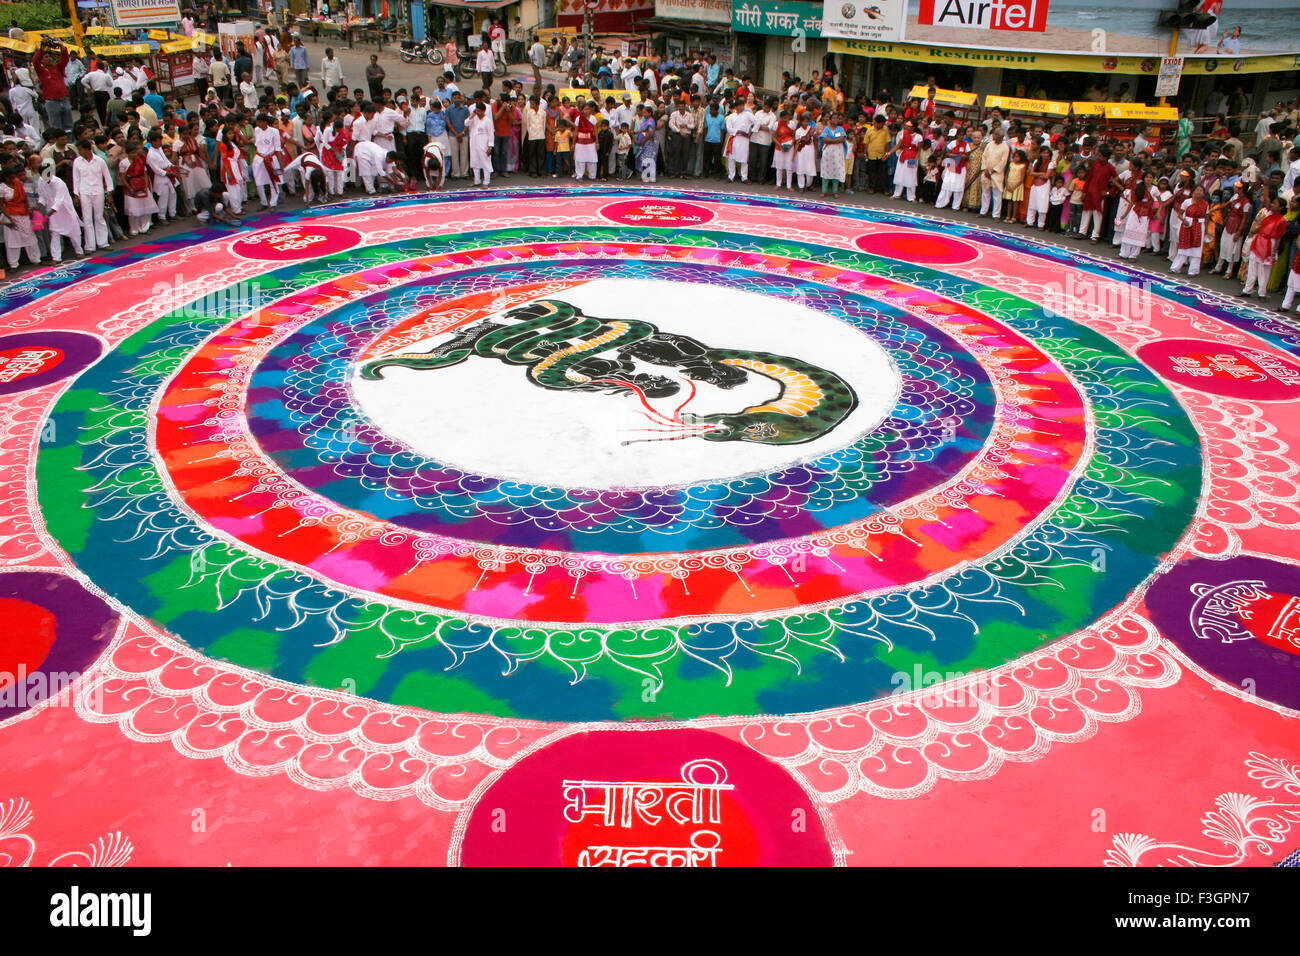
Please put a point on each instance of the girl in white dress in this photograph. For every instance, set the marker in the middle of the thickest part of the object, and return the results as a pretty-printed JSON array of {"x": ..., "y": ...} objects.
[
  {"x": 805, "y": 155},
  {"x": 1160, "y": 197},
  {"x": 1136, "y": 221},
  {"x": 137, "y": 197},
  {"x": 908, "y": 149},
  {"x": 233, "y": 175}
]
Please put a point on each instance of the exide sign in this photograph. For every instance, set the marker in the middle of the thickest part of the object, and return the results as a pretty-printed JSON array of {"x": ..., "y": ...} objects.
[{"x": 1026, "y": 15}]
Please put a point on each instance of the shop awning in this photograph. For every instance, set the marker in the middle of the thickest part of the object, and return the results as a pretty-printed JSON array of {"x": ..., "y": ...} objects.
[
  {"x": 474, "y": 4},
  {"x": 1063, "y": 62},
  {"x": 673, "y": 25}
]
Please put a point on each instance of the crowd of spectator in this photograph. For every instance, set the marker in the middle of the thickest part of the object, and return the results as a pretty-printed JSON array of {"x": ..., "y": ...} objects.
[{"x": 92, "y": 152}]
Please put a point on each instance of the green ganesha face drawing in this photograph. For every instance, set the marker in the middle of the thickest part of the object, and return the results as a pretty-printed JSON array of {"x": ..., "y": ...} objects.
[{"x": 562, "y": 348}]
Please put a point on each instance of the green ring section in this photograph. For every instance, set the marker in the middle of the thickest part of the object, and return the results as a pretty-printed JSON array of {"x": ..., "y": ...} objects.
[{"x": 106, "y": 504}]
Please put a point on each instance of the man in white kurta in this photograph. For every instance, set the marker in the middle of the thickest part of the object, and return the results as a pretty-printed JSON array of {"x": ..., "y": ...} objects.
[
  {"x": 92, "y": 184},
  {"x": 481, "y": 135},
  {"x": 740, "y": 124},
  {"x": 371, "y": 159},
  {"x": 307, "y": 165},
  {"x": 434, "y": 162},
  {"x": 266, "y": 162},
  {"x": 59, "y": 211},
  {"x": 382, "y": 126},
  {"x": 22, "y": 97},
  {"x": 161, "y": 169}
]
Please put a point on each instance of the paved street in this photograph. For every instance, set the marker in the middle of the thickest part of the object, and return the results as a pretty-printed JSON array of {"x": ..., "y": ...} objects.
[{"x": 401, "y": 74}]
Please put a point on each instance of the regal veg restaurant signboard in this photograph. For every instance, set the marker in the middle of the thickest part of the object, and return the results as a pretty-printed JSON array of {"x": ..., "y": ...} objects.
[
  {"x": 129, "y": 14},
  {"x": 876, "y": 21}
]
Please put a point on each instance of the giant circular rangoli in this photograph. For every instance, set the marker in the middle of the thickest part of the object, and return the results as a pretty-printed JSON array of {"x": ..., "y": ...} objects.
[{"x": 678, "y": 492}]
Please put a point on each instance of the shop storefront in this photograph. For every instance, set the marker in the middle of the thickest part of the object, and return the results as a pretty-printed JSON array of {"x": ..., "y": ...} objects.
[
  {"x": 780, "y": 36},
  {"x": 1067, "y": 76},
  {"x": 461, "y": 18},
  {"x": 684, "y": 29},
  {"x": 1070, "y": 52},
  {"x": 607, "y": 16}
]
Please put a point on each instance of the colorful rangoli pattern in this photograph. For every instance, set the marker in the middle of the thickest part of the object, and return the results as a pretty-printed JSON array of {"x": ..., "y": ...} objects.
[{"x": 318, "y": 509}]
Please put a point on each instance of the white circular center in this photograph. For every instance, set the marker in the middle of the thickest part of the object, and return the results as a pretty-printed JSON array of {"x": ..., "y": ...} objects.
[{"x": 486, "y": 417}]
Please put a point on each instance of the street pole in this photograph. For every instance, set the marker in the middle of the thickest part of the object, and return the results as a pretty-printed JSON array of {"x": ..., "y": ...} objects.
[
  {"x": 1173, "y": 51},
  {"x": 75, "y": 24},
  {"x": 587, "y": 29}
]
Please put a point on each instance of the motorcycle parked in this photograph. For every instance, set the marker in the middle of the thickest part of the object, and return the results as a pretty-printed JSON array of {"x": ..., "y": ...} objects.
[
  {"x": 466, "y": 65},
  {"x": 414, "y": 50}
]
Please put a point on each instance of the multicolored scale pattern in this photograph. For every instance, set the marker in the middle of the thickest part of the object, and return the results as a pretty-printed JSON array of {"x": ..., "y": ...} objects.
[{"x": 324, "y": 594}]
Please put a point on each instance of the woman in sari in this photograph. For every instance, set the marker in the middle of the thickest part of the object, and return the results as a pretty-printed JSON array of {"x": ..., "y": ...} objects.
[
  {"x": 516, "y": 136},
  {"x": 833, "y": 142},
  {"x": 191, "y": 156},
  {"x": 646, "y": 143},
  {"x": 1183, "y": 137},
  {"x": 1277, "y": 276},
  {"x": 783, "y": 151},
  {"x": 552, "y": 118}
]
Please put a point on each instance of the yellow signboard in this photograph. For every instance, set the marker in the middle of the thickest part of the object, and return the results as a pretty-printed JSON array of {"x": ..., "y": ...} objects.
[
  {"x": 205, "y": 39},
  {"x": 1157, "y": 114},
  {"x": 945, "y": 96},
  {"x": 1072, "y": 62},
  {"x": 123, "y": 49},
  {"x": 18, "y": 46},
  {"x": 573, "y": 93},
  {"x": 1087, "y": 108},
  {"x": 34, "y": 36},
  {"x": 1018, "y": 104},
  {"x": 177, "y": 46}
]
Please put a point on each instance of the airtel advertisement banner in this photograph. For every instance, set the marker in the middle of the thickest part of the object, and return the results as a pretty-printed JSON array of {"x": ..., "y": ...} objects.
[
  {"x": 1241, "y": 28},
  {"x": 1028, "y": 15}
]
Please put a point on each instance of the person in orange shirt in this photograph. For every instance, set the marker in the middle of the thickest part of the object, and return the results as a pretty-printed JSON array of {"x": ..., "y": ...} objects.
[{"x": 503, "y": 130}]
